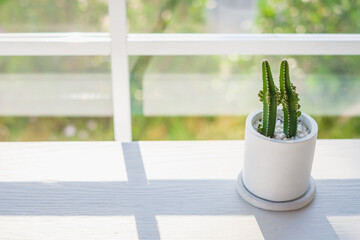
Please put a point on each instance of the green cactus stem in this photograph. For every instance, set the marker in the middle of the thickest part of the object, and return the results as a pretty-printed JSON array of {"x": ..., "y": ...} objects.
[
  {"x": 289, "y": 100},
  {"x": 269, "y": 97}
]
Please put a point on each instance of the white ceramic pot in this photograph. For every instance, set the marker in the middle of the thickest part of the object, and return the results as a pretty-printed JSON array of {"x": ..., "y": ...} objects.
[{"x": 278, "y": 170}]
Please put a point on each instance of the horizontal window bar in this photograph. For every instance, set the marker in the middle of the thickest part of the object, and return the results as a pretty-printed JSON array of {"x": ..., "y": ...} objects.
[
  {"x": 244, "y": 44},
  {"x": 213, "y": 94},
  {"x": 54, "y": 44},
  {"x": 92, "y": 44},
  {"x": 72, "y": 94},
  {"x": 79, "y": 95}
]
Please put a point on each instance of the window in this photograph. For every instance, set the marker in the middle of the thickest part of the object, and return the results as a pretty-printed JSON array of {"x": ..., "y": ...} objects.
[{"x": 189, "y": 69}]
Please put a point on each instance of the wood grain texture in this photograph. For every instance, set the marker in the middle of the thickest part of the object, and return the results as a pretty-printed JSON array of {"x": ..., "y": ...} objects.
[{"x": 164, "y": 190}]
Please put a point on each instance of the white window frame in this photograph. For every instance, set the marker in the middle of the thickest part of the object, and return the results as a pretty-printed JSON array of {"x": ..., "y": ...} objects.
[{"x": 119, "y": 45}]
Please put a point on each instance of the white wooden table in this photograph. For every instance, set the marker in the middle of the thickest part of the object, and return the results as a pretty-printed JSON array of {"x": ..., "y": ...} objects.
[{"x": 164, "y": 190}]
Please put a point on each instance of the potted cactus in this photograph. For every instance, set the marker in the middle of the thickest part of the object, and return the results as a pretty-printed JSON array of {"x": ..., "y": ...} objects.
[{"x": 279, "y": 148}]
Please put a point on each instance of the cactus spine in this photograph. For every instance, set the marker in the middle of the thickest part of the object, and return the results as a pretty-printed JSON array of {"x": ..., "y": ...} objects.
[
  {"x": 270, "y": 98},
  {"x": 289, "y": 100}
]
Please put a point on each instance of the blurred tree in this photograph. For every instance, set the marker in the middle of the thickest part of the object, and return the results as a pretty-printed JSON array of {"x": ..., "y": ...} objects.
[
  {"x": 53, "y": 16},
  {"x": 143, "y": 17},
  {"x": 141, "y": 64},
  {"x": 326, "y": 16},
  {"x": 315, "y": 16}
]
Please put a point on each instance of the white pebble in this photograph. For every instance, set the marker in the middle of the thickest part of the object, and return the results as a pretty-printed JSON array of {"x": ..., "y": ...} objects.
[
  {"x": 302, "y": 130},
  {"x": 282, "y": 136}
]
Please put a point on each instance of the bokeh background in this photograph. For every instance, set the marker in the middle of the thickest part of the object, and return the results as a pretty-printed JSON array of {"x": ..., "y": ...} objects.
[{"x": 174, "y": 97}]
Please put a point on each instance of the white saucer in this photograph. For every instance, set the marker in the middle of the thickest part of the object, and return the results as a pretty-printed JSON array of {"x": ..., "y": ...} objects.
[{"x": 276, "y": 206}]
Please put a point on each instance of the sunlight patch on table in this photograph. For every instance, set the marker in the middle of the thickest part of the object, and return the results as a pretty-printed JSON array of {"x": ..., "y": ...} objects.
[
  {"x": 336, "y": 160},
  {"x": 62, "y": 161},
  {"x": 68, "y": 227},
  {"x": 192, "y": 160},
  {"x": 346, "y": 227},
  {"x": 209, "y": 227}
]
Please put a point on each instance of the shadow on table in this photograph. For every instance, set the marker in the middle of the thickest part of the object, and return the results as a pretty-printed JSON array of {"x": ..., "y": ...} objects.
[{"x": 147, "y": 199}]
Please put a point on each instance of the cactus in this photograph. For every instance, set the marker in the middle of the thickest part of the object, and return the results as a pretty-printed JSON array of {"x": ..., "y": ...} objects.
[
  {"x": 289, "y": 100},
  {"x": 270, "y": 98}
]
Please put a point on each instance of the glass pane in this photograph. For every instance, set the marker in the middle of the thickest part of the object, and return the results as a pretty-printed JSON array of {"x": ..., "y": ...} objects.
[
  {"x": 56, "y": 129},
  {"x": 55, "y": 98},
  {"x": 54, "y": 16},
  {"x": 243, "y": 16},
  {"x": 208, "y": 97}
]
